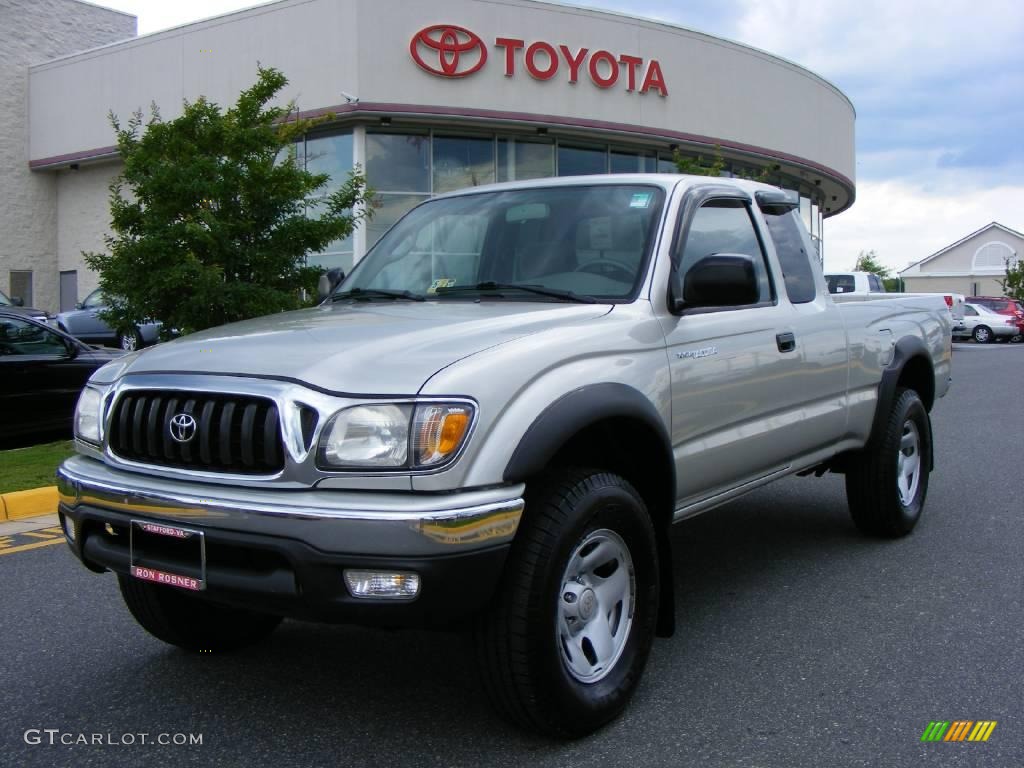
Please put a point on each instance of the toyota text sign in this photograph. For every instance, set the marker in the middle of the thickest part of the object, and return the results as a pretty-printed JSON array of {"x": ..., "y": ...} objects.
[{"x": 448, "y": 50}]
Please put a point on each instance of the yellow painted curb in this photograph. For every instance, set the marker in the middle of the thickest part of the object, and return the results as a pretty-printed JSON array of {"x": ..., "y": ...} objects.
[{"x": 19, "y": 504}]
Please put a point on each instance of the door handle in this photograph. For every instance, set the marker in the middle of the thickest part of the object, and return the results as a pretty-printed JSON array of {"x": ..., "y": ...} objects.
[{"x": 786, "y": 341}]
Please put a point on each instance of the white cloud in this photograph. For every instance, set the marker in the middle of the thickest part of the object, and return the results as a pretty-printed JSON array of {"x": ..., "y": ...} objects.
[
  {"x": 906, "y": 221},
  {"x": 892, "y": 41}
]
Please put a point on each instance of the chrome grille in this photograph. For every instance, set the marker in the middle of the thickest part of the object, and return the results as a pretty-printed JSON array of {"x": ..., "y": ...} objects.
[{"x": 233, "y": 433}]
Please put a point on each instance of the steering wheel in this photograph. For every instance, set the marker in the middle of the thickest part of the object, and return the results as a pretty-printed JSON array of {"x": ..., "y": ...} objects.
[{"x": 610, "y": 268}]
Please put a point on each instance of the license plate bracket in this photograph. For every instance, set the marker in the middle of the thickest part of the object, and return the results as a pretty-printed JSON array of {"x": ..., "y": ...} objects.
[{"x": 167, "y": 554}]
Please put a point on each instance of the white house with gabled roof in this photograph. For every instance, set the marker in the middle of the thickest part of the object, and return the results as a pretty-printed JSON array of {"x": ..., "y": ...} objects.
[{"x": 973, "y": 265}]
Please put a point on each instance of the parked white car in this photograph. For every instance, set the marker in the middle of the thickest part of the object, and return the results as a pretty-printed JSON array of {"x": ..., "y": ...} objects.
[
  {"x": 854, "y": 286},
  {"x": 985, "y": 326}
]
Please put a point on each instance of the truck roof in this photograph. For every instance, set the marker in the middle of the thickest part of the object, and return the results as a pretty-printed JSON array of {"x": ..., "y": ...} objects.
[{"x": 667, "y": 181}]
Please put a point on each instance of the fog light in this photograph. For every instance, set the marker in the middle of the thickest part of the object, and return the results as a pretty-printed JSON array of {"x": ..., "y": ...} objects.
[
  {"x": 387, "y": 585},
  {"x": 69, "y": 527}
]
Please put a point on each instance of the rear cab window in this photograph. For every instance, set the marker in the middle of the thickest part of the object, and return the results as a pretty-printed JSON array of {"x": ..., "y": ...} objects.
[{"x": 790, "y": 241}]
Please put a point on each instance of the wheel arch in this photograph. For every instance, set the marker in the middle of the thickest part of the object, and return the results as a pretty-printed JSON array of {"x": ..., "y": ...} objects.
[
  {"x": 616, "y": 428},
  {"x": 911, "y": 368}
]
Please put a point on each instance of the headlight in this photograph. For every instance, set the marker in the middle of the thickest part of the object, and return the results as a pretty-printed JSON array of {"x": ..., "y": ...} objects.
[
  {"x": 395, "y": 436},
  {"x": 367, "y": 436},
  {"x": 87, "y": 415}
]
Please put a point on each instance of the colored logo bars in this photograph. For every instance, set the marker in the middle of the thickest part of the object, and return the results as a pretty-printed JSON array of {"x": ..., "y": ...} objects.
[{"x": 958, "y": 730}]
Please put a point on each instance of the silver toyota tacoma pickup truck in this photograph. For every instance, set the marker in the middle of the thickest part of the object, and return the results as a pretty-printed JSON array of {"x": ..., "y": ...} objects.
[{"x": 494, "y": 421}]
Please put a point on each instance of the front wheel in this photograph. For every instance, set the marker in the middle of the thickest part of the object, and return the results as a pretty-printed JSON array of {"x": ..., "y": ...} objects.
[
  {"x": 983, "y": 334},
  {"x": 887, "y": 481},
  {"x": 192, "y": 623},
  {"x": 564, "y": 644}
]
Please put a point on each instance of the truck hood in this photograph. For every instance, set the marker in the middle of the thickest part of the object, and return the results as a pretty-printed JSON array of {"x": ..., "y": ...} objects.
[{"x": 360, "y": 348}]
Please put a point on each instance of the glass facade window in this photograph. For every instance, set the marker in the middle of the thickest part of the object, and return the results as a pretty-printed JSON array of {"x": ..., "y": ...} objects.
[
  {"x": 408, "y": 167},
  {"x": 398, "y": 162},
  {"x": 666, "y": 164},
  {"x": 519, "y": 160},
  {"x": 621, "y": 161},
  {"x": 581, "y": 161},
  {"x": 462, "y": 162},
  {"x": 398, "y": 168},
  {"x": 331, "y": 154}
]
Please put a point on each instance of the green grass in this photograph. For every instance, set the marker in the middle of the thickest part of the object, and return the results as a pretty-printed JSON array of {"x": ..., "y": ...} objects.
[{"x": 25, "y": 468}]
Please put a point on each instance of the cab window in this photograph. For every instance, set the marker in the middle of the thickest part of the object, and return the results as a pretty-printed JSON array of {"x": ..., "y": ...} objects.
[
  {"x": 791, "y": 241},
  {"x": 21, "y": 337},
  {"x": 725, "y": 226}
]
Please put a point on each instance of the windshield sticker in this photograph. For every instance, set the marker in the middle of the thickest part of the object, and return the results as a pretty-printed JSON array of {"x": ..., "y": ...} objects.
[
  {"x": 640, "y": 200},
  {"x": 441, "y": 282}
]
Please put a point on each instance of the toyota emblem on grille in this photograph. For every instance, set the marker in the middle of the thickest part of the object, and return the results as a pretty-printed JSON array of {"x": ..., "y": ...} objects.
[
  {"x": 451, "y": 51},
  {"x": 183, "y": 427}
]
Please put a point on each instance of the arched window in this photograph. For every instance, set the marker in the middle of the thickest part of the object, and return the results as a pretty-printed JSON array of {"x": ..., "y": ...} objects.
[{"x": 992, "y": 257}]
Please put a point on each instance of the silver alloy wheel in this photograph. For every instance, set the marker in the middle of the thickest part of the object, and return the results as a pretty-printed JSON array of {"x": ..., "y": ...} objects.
[
  {"x": 129, "y": 341},
  {"x": 908, "y": 467},
  {"x": 595, "y": 605},
  {"x": 982, "y": 335}
]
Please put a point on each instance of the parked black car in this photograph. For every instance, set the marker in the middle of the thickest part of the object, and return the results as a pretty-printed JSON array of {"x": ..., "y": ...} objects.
[
  {"x": 41, "y": 373},
  {"x": 14, "y": 305}
]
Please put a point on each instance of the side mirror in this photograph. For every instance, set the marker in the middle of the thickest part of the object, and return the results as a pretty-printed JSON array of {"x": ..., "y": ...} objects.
[
  {"x": 17, "y": 301},
  {"x": 71, "y": 347},
  {"x": 718, "y": 280},
  {"x": 79, "y": 305},
  {"x": 329, "y": 281}
]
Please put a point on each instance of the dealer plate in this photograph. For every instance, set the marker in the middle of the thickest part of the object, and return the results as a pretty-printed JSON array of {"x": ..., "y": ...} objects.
[{"x": 167, "y": 554}]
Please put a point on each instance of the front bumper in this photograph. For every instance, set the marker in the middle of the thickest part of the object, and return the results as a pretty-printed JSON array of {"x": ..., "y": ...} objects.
[{"x": 284, "y": 552}]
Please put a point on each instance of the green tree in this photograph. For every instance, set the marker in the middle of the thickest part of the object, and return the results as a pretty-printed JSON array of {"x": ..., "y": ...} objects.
[
  {"x": 1013, "y": 283},
  {"x": 698, "y": 166},
  {"x": 210, "y": 217},
  {"x": 867, "y": 261}
]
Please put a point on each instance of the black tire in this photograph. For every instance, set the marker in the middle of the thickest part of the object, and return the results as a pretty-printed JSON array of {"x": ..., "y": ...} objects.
[
  {"x": 130, "y": 340},
  {"x": 522, "y": 657},
  {"x": 982, "y": 334},
  {"x": 878, "y": 505},
  {"x": 192, "y": 623}
]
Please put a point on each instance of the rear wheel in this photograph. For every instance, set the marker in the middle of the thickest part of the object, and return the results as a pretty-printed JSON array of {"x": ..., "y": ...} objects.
[
  {"x": 192, "y": 623},
  {"x": 983, "y": 334},
  {"x": 887, "y": 481},
  {"x": 564, "y": 645},
  {"x": 129, "y": 340}
]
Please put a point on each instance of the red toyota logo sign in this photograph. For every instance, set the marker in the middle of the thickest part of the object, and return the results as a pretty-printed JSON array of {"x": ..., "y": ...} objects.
[{"x": 448, "y": 50}]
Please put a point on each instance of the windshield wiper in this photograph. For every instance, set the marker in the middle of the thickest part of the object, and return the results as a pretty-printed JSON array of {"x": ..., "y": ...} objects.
[
  {"x": 376, "y": 293},
  {"x": 491, "y": 285}
]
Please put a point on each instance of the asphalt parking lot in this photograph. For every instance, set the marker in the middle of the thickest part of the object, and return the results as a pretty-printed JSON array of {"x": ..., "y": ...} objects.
[{"x": 800, "y": 643}]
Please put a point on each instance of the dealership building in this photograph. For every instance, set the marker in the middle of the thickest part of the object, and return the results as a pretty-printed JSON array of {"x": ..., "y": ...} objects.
[{"x": 425, "y": 97}]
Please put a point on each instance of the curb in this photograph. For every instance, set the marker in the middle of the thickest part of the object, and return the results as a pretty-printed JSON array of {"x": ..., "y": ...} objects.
[{"x": 20, "y": 504}]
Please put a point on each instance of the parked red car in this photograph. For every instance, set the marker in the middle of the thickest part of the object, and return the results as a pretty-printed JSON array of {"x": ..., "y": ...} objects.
[{"x": 1004, "y": 305}]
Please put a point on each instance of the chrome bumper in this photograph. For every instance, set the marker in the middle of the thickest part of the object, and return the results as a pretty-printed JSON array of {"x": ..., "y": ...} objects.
[{"x": 358, "y": 523}]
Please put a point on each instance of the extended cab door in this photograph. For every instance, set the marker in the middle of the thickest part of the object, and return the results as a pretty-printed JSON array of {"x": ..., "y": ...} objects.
[{"x": 753, "y": 387}]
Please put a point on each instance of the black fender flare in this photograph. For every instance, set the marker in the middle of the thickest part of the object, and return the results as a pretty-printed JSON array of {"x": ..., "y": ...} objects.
[
  {"x": 586, "y": 406},
  {"x": 908, "y": 348}
]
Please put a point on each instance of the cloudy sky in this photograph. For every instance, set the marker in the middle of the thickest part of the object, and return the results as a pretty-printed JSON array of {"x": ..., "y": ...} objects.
[{"x": 938, "y": 87}]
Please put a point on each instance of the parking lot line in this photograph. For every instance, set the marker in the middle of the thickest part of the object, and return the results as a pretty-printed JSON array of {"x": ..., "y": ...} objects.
[{"x": 23, "y": 541}]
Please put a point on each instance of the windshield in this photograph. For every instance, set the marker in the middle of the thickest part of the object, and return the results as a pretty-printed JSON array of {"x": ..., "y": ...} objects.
[
  {"x": 589, "y": 241},
  {"x": 4, "y": 301}
]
